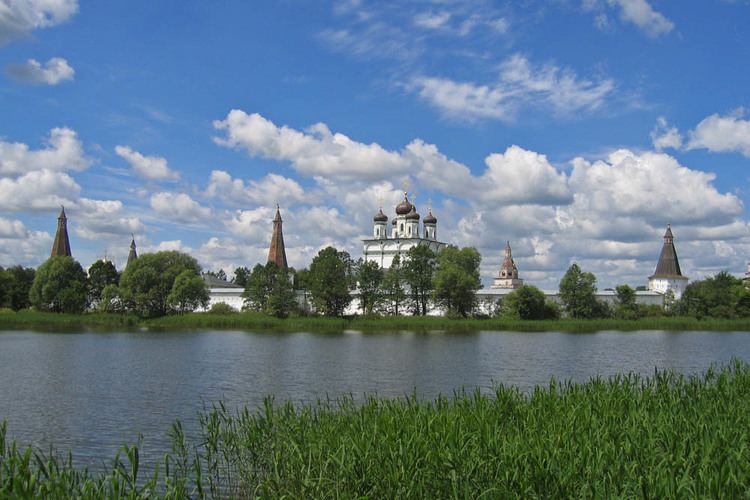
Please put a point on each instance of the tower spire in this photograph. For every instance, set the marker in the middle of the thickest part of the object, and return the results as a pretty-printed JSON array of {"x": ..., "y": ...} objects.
[
  {"x": 668, "y": 264},
  {"x": 277, "y": 252},
  {"x": 61, "y": 245},
  {"x": 133, "y": 255}
]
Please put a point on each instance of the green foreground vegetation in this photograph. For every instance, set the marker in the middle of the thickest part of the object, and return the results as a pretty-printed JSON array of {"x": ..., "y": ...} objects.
[
  {"x": 258, "y": 322},
  {"x": 666, "y": 436}
]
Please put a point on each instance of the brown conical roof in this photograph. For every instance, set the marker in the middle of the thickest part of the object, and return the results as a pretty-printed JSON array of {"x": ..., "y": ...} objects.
[
  {"x": 61, "y": 245},
  {"x": 668, "y": 265},
  {"x": 133, "y": 255},
  {"x": 277, "y": 252}
]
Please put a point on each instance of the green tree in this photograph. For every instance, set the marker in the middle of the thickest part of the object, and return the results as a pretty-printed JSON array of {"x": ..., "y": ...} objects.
[
  {"x": 625, "y": 305},
  {"x": 4, "y": 288},
  {"x": 110, "y": 300},
  {"x": 220, "y": 274},
  {"x": 59, "y": 286},
  {"x": 146, "y": 283},
  {"x": 258, "y": 286},
  {"x": 369, "y": 279},
  {"x": 189, "y": 292},
  {"x": 329, "y": 282},
  {"x": 419, "y": 269},
  {"x": 719, "y": 296},
  {"x": 456, "y": 280},
  {"x": 101, "y": 273},
  {"x": 577, "y": 289},
  {"x": 241, "y": 275},
  {"x": 393, "y": 292},
  {"x": 282, "y": 299},
  {"x": 17, "y": 287},
  {"x": 528, "y": 302}
]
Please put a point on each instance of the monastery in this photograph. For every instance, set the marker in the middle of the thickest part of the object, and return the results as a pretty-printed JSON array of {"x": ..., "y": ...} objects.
[{"x": 406, "y": 232}]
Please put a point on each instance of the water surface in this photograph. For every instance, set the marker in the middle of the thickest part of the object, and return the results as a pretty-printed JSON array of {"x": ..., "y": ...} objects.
[{"x": 90, "y": 392}]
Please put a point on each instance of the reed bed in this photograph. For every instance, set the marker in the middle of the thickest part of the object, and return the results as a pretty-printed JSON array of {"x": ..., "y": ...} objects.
[{"x": 665, "y": 436}]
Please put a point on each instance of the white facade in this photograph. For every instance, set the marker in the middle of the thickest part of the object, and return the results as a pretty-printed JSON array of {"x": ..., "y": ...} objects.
[
  {"x": 229, "y": 296},
  {"x": 406, "y": 233},
  {"x": 662, "y": 285}
]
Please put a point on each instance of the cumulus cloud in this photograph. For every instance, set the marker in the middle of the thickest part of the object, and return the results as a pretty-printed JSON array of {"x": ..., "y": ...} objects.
[
  {"x": 315, "y": 152},
  {"x": 521, "y": 176},
  {"x": 29, "y": 250},
  {"x": 63, "y": 152},
  {"x": 270, "y": 190},
  {"x": 637, "y": 12},
  {"x": 39, "y": 190},
  {"x": 55, "y": 71},
  {"x": 663, "y": 136},
  {"x": 104, "y": 220},
  {"x": 19, "y": 17},
  {"x": 651, "y": 185},
  {"x": 640, "y": 13},
  {"x": 154, "y": 168},
  {"x": 519, "y": 84},
  {"x": 179, "y": 207},
  {"x": 12, "y": 229},
  {"x": 722, "y": 134}
]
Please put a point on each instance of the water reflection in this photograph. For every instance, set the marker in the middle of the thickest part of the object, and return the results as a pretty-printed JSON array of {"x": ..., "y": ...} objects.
[{"x": 90, "y": 392}]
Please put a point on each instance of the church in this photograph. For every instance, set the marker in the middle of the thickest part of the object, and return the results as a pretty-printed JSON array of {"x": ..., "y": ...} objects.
[{"x": 406, "y": 233}]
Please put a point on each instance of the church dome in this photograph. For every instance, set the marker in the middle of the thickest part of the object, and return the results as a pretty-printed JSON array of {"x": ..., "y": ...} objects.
[
  {"x": 430, "y": 219},
  {"x": 412, "y": 215},
  {"x": 404, "y": 207},
  {"x": 380, "y": 217}
]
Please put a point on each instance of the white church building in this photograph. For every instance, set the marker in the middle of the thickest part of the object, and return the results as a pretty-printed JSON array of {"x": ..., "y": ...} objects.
[{"x": 405, "y": 233}]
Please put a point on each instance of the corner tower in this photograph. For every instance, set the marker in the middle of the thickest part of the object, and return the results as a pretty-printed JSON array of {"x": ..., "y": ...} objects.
[
  {"x": 508, "y": 276},
  {"x": 61, "y": 245},
  {"x": 668, "y": 275},
  {"x": 277, "y": 252},
  {"x": 133, "y": 255}
]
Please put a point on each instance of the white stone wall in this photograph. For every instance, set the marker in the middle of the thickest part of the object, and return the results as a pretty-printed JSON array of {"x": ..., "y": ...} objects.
[{"x": 662, "y": 285}]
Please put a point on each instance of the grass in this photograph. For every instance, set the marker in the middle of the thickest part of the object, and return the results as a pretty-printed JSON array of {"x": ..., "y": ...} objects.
[
  {"x": 666, "y": 436},
  {"x": 261, "y": 322}
]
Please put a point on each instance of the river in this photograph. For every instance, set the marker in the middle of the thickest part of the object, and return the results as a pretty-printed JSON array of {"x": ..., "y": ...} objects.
[{"x": 90, "y": 392}]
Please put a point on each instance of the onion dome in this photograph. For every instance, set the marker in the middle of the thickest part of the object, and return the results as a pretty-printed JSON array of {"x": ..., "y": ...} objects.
[
  {"x": 380, "y": 217},
  {"x": 412, "y": 215},
  {"x": 404, "y": 207},
  {"x": 430, "y": 219}
]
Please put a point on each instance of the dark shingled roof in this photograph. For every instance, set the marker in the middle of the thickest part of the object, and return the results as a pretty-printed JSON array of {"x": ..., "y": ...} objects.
[
  {"x": 133, "y": 255},
  {"x": 214, "y": 282},
  {"x": 61, "y": 245},
  {"x": 668, "y": 265},
  {"x": 277, "y": 252}
]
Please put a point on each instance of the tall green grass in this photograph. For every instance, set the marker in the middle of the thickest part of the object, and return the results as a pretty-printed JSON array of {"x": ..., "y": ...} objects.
[{"x": 666, "y": 436}]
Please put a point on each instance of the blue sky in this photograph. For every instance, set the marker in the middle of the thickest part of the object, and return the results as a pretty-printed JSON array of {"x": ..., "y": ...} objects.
[{"x": 575, "y": 129}]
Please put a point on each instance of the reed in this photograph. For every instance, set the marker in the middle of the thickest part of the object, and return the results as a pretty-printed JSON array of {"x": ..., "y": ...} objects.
[{"x": 665, "y": 436}]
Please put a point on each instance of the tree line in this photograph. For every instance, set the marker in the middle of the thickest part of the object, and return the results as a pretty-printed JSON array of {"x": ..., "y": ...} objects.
[{"x": 170, "y": 282}]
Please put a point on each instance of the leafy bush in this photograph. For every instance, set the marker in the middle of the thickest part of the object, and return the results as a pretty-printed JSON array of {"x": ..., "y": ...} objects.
[{"x": 222, "y": 308}]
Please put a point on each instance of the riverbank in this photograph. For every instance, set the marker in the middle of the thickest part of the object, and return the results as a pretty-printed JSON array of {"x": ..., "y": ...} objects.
[
  {"x": 261, "y": 322},
  {"x": 663, "y": 437}
]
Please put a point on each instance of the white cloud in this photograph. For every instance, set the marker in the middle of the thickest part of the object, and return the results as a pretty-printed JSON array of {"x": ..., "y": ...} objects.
[
  {"x": 316, "y": 152},
  {"x": 722, "y": 134},
  {"x": 432, "y": 20},
  {"x": 63, "y": 152},
  {"x": 104, "y": 220},
  {"x": 179, "y": 207},
  {"x": 270, "y": 190},
  {"x": 640, "y": 13},
  {"x": 521, "y": 176},
  {"x": 663, "y": 136},
  {"x": 637, "y": 12},
  {"x": 55, "y": 71},
  {"x": 39, "y": 190},
  {"x": 519, "y": 84},
  {"x": 19, "y": 17},
  {"x": 150, "y": 167},
  {"x": 12, "y": 229},
  {"x": 30, "y": 250}
]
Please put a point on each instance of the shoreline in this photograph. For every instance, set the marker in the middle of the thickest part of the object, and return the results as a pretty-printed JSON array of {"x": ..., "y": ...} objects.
[{"x": 255, "y": 322}]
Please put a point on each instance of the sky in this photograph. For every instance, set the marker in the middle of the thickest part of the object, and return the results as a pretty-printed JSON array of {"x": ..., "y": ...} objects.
[{"x": 575, "y": 129}]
